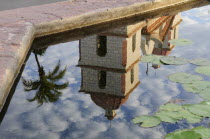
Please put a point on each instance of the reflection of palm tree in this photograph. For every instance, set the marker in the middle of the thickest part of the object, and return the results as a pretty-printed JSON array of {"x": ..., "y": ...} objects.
[{"x": 47, "y": 88}]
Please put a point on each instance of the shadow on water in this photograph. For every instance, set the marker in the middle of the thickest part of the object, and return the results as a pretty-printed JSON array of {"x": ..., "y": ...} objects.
[{"x": 12, "y": 91}]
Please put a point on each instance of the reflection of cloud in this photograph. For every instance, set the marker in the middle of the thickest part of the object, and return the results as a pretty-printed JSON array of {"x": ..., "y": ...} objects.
[
  {"x": 199, "y": 14},
  {"x": 76, "y": 116}
]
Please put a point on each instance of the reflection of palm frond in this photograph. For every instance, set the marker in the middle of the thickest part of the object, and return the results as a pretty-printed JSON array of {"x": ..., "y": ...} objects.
[
  {"x": 40, "y": 51},
  {"x": 27, "y": 83},
  {"x": 56, "y": 69},
  {"x": 34, "y": 86},
  {"x": 55, "y": 77},
  {"x": 47, "y": 88},
  {"x": 61, "y": 86}
]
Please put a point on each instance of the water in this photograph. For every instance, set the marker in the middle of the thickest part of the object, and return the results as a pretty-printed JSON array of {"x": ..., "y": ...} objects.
[{"x": 78, "y": 115}]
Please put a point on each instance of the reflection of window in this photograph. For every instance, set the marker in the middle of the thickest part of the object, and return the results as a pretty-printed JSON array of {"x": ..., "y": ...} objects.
[
  {"x": 101, "y": 45},
  {"x": 134, "y": 42},
  {"x": 132, "y": 75},
  {"x": 102, "y": 79}
]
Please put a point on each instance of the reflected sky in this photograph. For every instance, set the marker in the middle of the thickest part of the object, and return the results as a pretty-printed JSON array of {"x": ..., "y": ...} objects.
[{"x": 75, "y": 115}]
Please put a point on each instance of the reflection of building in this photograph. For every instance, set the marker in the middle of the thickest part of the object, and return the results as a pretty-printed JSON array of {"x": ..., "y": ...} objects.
[
  {"x": 109, "y": 82},
  {"x": 117, "y": 49},
  {"x": 109, "y": 66},
  {"x": 109, "y": 61},
  {"x": 109, "y": 89},
  {"x": 158, "y": 32},
  {"x": 109, "y": 103}
]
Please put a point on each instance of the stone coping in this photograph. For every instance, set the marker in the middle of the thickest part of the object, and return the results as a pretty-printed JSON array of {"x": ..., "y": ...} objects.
[{"x": 19, "y": 27}]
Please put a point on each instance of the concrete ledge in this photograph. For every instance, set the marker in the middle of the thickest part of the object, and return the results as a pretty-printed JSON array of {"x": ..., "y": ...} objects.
[{"x": 19, "y": 27}]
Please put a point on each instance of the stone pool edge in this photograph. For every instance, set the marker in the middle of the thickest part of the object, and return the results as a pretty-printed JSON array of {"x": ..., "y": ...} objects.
[{"x": 18, "y": 34}]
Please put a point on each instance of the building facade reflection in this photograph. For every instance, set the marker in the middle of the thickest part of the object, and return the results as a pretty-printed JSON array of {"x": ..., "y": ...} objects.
[
  {"x": 109, "y": 60},
  {"x": 157, "y": 34},
  {"x": 109, "y": 66}
]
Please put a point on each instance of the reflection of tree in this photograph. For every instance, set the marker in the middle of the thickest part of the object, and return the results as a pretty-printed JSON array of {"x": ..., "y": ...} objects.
[{"x": 48, "y": 90}]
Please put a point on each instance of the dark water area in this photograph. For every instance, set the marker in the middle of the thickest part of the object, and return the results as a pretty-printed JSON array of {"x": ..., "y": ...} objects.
[{"x": 94, "y": 107}]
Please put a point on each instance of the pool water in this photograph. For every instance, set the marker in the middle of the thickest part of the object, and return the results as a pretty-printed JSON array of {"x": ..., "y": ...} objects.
[{"x": 84, "y": 112}]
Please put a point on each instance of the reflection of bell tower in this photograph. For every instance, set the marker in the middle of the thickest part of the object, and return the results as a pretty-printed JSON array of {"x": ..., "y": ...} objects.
[
  {"x": 109, "y": 66},
  {"x": 117, "y": 49},
  {"x": 110, "y": 103},
  {"x": 109, "y": 89}
]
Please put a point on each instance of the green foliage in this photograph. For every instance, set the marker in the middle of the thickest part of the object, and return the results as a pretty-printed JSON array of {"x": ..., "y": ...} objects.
[
  {"x": 200, "y": 62},
  {"x": 203, "y": 70},
  {"x": 203, "y": 131},
  {"x": 185, "y": 134},
  {"x": 195, "y": 133},
  {"x": 205, "y": 94},
  {"x": 197, "y": 86},
  {"x": 172, "y": 60},
  {"x": 170, "y": 107},
  {"x": 181, "y": 42},
  {"x": 40, "y": 51},
  {"x": 172, "y": 113},
  {"x": 191, "y": 118},
  {"x": 47, "y": 90},
  {"x": 147, "y": 121},
  {"x": 154, "y": 59},
  {"x": 184, "y": 78},
  {"x": 169, "y": 116},
  {"x": 199, "y": 109}
]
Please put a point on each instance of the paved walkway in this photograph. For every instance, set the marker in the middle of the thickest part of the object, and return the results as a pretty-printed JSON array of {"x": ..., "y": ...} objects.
[
  {"x": 19, "y": 27},
  {"x": 14, "y": 4}
]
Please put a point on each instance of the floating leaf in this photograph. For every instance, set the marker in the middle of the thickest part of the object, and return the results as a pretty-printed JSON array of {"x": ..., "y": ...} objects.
[
  {"x": 197, "y": 86},
  {"x": 191, "y": 118},
  {"x": 169, "y": 116},
  {"x": 154, "y": 59},
  {"x": 183, "y": 134},
  {"x": 195, "y": 133},
  {"x": 181, "y": 42},
  {"x": 203, "y": 131},
  {"x": 199, "y": 109},
  {"x": 205, "y": 102},
  {"x": 172, "y": 60},
  {"x": 184, "y": 77},
  {"x": 205, "y": 94},
  {"x": 203, "y": 70},
  {"x": 147, "y": 121},
  {"x": 170, "y": 107},
  {"x": 200, "y": 62}
]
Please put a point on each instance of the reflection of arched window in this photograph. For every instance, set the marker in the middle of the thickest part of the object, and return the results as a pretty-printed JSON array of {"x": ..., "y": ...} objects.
[
  {"x": 102, "y": 79},
  {"x": 101, "y": 45},
  {"x": 132, "y": 75},
  {"x": 134, "y": 42}
]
